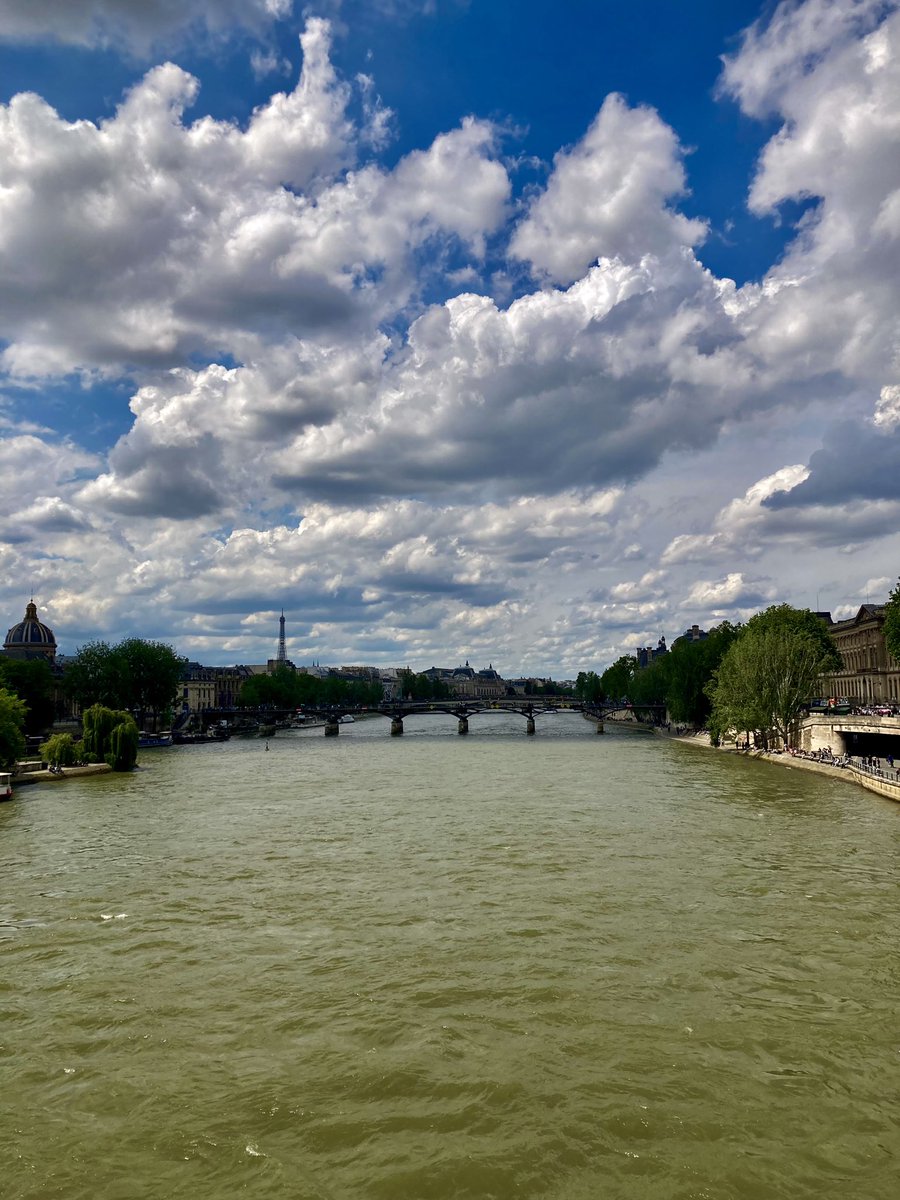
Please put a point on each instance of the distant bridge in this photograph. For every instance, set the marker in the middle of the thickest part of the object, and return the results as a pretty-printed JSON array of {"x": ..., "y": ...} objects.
[{"x": 463, "y": 708}]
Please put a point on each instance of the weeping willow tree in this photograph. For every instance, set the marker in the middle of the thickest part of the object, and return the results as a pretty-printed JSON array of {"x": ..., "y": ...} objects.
[
  {"x": 60, "y": 750},
  {"x": 110, "y": 736}
]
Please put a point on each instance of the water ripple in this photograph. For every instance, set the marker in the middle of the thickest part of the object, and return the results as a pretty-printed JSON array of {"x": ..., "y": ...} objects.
[{"x": 551, "y": 967}]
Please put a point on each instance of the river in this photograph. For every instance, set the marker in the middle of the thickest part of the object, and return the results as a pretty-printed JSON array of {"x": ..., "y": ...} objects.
[{"x": 439, "y": 967}]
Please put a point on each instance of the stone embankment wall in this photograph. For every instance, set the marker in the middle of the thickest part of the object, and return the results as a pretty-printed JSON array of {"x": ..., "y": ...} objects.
[{"x": 876, "y": 781}]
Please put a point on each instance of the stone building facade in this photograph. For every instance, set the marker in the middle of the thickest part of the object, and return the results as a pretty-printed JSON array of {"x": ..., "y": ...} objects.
[
  {"x": 870, "y": 675},
  {"x": 211, "y": 687}
]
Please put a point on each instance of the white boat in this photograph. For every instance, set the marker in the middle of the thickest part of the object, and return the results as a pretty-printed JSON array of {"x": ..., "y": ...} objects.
[
  {"x": 346, "y": 719},
  {"x": 5, "y": 785}
]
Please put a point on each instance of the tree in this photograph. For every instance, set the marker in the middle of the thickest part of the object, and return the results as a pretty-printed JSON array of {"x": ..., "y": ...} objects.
[
  {"x": 769, "y": 672},
  {"x": 421, "y": 686},
  {"x": 32, "y": 682},
  {"x": 60, "y": 749},
  {"x": 892, "y": 623},
  {"x": 735, "y": 692},
  {"x": 800, "y": 621},
  {"x": 588, "y": 687},
  {"x": 12, "y": 722},
  {"x": 691, "y": 666},
  {"x": 285, "y": 688},
  {"x": 136, "y": 675},
  {"x": 110, "y": 736},
  {"x": 616, "y": 680},
  {"x": 92, "y": 677},
  {"x": 650, "y": 684},
  {"x": 151, "y": 673}
]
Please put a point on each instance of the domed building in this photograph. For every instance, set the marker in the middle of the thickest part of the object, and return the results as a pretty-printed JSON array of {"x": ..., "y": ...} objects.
[{"x": 31, "y": 638}]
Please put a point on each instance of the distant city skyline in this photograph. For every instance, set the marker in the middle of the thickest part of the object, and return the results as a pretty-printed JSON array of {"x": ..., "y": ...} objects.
[{"x": 453, "y": 330}]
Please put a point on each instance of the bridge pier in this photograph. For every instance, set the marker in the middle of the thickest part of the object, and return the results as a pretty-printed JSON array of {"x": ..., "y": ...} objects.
[
  {"x": 396, "y": 726},
  {"x": 463, "y": 725},
  {"x": 332, "y": 728},
  {"x": 529, "y": 726},
  {"x": 600, "y": 727}
]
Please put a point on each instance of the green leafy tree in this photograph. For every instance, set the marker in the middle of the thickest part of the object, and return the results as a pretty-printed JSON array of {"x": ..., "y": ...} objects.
[
  {"x": 150, "y": 674},
  {"x": 110, "y": 736},
  {"x": 137, "y": 675},
  {"x": 93, "y": 676},
  {"x": 588, "y": 687},
  {"x": 551, "y": 689},
  {"x": 892, "y": 623},
  {"x": 60, "y": 749},
  {"x": 800, "y": 621},
  {"x": 736, "y": 693},
  {"x": 12, "y": 723},
  {"x": 616, "y": 680},
  {"x": 691, "y": 667},
  {"x": 285, "y": 688},
  {"x": 650, "y": 684},
  {"x": 421, "y": 686},
  {"x": 32, "y": 682},
  {"x": 123, "y": 746},
  {"x": 769, "y": 672},
  {"x": 276, "y": 689}
]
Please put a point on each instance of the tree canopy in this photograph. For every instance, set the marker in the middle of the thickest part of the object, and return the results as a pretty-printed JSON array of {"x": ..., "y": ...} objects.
[
  {"x": 32, "y": 682},
  {"x": 422, "y": 686},
  {"x": 61, "y": 749},
  {"x": 690, "y": 667},
  {"x": 138, "y": 676},
  {"x": 588, "y": 687},
  {"x": 769, "y": 672},
  {"x": 285, "y": 688},
  {"x": 12, "y": 722},
  {"x": 616, "y": 680},
  {"x": 892, "y": 623},
  {"x": 799, "y": 621},
  {"x": 110, "y": 737}
]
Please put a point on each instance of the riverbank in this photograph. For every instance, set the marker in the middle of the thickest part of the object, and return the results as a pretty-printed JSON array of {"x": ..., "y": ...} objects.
[
  {"x": 48, "y": 776},
  {"x": 852, "y": 772}
]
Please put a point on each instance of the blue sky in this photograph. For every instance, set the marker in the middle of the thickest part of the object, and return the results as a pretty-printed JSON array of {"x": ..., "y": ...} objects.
[{"x": 502, "y": 332}]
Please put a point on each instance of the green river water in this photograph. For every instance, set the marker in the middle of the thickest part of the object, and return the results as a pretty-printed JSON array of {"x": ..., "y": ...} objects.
[{"x": 436, "y": 967}]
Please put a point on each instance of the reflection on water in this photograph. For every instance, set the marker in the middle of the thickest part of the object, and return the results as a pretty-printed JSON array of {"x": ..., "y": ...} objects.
[{"x": 432, "y": 966}]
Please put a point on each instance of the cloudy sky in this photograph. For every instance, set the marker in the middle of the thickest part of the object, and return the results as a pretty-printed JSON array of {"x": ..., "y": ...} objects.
[{"x": 456, "y": 328}]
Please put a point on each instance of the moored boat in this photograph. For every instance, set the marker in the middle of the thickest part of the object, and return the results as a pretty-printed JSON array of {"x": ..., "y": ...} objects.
[
  {"x": 5, "y": 785},
  {"x": 215, "y": 733},
  {"x": 150, "y": 741}
]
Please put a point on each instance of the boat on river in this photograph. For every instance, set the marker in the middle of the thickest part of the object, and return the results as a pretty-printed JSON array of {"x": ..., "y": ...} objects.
[
  {"x": 5, "y": 785},
  {"x": 150, "y": 741}
]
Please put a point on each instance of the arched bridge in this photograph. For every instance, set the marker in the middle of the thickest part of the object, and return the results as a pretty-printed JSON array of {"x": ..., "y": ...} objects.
[{"x": 463, "y": 708}]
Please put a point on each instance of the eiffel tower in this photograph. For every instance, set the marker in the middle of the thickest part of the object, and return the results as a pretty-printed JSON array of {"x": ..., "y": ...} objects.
[{"x": 282, "y": 652}]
